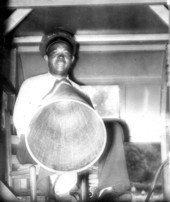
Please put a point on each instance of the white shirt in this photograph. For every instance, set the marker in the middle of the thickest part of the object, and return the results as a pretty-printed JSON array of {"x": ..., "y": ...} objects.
[{"x": 32, "y": 91}]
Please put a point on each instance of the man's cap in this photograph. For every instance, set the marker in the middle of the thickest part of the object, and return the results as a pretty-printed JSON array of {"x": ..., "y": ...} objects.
[{"x": 58, "y": 35}]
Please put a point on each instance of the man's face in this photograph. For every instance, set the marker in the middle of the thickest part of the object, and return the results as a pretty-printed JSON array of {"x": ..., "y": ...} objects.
[{"x": 59, "y": 58}]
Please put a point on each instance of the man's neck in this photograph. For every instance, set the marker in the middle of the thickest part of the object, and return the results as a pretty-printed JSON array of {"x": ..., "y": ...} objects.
[{"x": 58, "y": 77}]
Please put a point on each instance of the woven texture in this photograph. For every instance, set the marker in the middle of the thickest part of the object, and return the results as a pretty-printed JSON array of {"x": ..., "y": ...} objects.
[{"x": 66, "y": 134}]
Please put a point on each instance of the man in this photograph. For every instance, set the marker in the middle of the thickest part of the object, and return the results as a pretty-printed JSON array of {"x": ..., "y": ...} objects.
[{"x": 59, "y": 51}]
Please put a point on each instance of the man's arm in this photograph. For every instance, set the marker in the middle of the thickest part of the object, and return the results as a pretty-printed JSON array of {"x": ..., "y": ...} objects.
[{"x": 22, "y": 109}]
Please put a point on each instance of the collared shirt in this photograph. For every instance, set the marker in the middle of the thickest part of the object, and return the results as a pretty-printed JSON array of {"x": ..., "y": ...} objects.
[{"x": 31, "y": 93}]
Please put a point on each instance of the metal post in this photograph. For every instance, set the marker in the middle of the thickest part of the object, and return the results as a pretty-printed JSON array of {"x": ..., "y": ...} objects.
[
  {"x": 166, "y": 139},
  {"x": 33, "y": 185}
]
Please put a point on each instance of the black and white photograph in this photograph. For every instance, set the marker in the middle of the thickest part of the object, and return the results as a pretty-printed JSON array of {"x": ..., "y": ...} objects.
[{"x": 85, "y": 101}]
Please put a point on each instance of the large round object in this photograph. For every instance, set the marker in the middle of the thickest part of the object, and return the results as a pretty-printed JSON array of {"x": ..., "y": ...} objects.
[{"x": 66, "y": 134}]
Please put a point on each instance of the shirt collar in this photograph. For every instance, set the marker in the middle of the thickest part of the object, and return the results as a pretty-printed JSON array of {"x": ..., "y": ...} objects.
[{"x": 54, "y": 78}]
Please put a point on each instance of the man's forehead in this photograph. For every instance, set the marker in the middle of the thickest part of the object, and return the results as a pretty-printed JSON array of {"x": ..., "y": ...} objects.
[{"x": 59, "y": 44}]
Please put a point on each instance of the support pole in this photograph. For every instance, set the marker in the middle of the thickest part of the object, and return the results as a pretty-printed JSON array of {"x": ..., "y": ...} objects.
[
  {"x": 166, "y": 139},
  {"x": 33, "y": 184}
]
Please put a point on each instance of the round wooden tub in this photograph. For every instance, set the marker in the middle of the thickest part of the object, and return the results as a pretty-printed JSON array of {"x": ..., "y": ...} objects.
[{"x": 66, "y": 134}]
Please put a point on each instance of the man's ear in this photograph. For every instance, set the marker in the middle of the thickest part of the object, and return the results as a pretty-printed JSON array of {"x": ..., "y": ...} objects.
[
  {"x": 46, "y": 58},
  {"x": 73, "y": 58}
]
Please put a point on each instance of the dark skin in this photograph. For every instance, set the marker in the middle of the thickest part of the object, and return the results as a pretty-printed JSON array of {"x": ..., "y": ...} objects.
[{"x": 59, "y": 59}]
